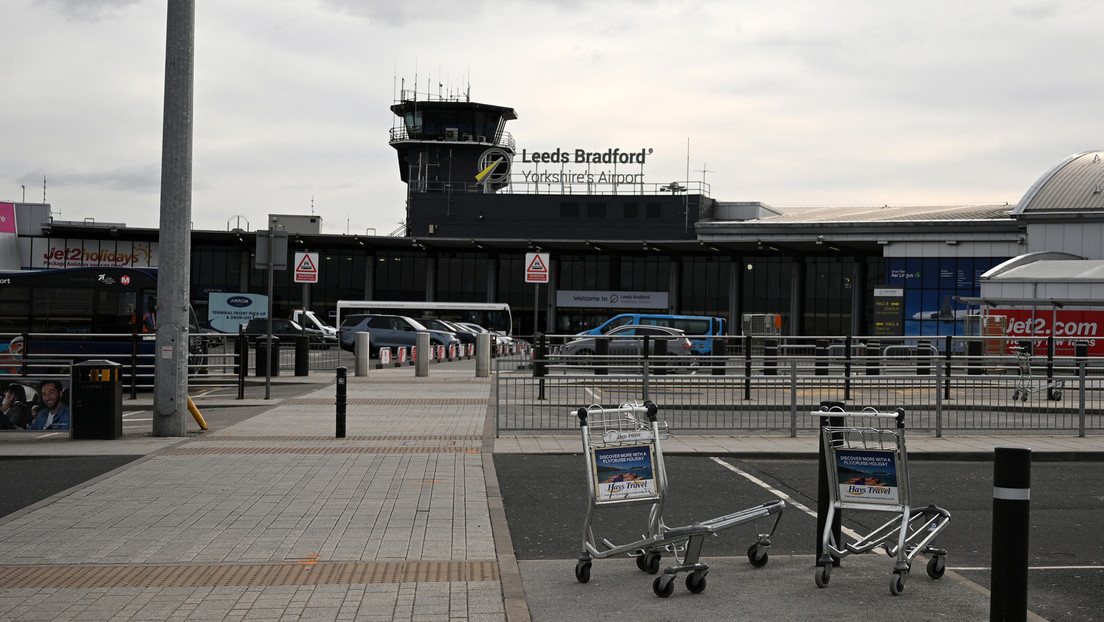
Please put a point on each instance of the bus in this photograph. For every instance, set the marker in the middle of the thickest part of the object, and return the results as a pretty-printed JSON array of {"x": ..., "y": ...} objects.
[
  {"x": 82, "y": 313},
  {"x": 494, "y": 316},
  {"x": 77, "y": 300}
]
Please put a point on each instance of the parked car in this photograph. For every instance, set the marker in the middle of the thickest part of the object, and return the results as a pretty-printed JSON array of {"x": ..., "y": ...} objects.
[
  {"x": 628, "y": 340},
  {"x": 701, "y": 328},
  {"x": 388, "y": 331},
  {"x": 499, "y": 337},
  {"x": 463, "y": 333},
  {"x": 286, "y": 330}
]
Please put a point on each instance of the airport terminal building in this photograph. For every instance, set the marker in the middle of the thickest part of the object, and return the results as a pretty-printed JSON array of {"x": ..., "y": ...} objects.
[{"x": 478, "y": 204}]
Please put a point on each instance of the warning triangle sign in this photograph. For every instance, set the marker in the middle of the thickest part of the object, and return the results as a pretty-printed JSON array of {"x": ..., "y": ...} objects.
[
  {"x": 306, "y": 267},
  {"x": 536, "y": 267}
]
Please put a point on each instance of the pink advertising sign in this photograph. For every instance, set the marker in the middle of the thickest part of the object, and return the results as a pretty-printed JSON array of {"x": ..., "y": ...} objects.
[{"x": 7, "y": 217}]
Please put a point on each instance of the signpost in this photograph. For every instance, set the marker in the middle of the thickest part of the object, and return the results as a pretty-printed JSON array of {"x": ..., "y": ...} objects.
[
  {"x": 536, "y": 272},
  {"x": 271, "y": 255}
]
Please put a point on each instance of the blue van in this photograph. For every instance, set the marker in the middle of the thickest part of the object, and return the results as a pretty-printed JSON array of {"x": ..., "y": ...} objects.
[{"x": 700, "y": 328}]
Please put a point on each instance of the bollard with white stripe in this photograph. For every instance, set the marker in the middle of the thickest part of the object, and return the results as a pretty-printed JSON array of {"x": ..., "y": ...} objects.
[{"x": 1011, "y": 528}]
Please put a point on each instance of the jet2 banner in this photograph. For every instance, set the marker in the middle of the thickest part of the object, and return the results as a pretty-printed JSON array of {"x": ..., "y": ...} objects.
[{"x": 1069, "y": 328}]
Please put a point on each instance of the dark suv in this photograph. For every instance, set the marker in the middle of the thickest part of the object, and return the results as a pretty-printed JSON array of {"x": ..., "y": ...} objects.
[
  {"x": 286, "y": 330},
  {"x": 388, "y": 331}
]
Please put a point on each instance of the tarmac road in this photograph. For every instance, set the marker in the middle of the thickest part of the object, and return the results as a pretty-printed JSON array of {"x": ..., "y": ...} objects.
[{"x": 545, "y": 501}]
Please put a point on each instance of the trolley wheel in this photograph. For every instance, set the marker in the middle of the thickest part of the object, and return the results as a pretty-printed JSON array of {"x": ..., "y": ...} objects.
[
  {"x": 1016, "y": 395},
  {"x": 640, "y": 561},
  {"x": 696, "y": 583},
  {"x": 649, "y": 563},
  {"x": 757, "y": 556},
  {"x": 897, "y": 583},
  {"x": 582, "y": 571},
  {"x": 663, "y": 588},
  {"x": 1057, "y": 395},
  {"x": 937, "y": 566},
  {"x": 823, "y": 575}
]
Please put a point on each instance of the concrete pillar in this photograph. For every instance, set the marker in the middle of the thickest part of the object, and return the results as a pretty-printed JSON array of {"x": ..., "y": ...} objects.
[
  {"x": 361, "y": 358},
  {"x": 170, "y": 399},
  {"x": 421, "y": 364},
  {"x": 483, "y": 355}
]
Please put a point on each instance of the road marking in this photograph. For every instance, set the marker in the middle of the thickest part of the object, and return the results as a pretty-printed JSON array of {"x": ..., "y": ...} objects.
[
  {"x": 988, "y": 568},
  {"x": 778, "y": 493},
  {"x": 855, "y": 536}
]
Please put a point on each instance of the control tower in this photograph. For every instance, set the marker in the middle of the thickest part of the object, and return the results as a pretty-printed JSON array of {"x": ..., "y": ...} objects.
[{"x": 452, "y": 144}]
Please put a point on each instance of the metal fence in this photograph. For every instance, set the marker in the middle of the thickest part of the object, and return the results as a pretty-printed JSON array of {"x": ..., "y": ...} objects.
[
  {"x": 993, "y": 394},
  {"x": 213, "y": 360}
]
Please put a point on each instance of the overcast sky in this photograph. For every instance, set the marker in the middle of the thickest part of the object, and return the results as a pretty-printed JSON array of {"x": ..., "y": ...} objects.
[{"x": 792, "y": 103}]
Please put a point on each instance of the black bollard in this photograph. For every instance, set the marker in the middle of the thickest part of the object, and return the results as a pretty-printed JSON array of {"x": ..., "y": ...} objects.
[
  {"x": 1011, "y": 528},
  {"x": 540, "y": 362},
  {"x": 341, "y": 379},
  {"x": 718, "y": 350},
  {"x": 302, "y": 355},
  {"x": 601, "y": 360}
]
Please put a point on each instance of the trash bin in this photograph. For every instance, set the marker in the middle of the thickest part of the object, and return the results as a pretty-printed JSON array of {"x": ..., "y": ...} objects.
[
  {"x": 271, "y": 356},
  {"x": 97, "y": 401}
]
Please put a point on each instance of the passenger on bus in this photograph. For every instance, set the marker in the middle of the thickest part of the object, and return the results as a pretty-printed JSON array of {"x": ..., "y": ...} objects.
[
  {"x": 54, "y": 414},
  {"x": 149, "y": 324},
  {"x": 14, "y": 412}
]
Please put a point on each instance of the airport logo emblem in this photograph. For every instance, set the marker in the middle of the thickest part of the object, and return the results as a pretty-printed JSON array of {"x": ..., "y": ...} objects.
[{"x": 494, "y": 167}]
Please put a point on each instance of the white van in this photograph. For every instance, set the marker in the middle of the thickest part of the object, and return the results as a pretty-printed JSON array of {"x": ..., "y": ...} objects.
[{"x": 308, "y": 320}]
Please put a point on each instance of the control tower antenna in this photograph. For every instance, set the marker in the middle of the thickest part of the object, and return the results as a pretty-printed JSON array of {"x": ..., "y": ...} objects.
[{"x": 703, "y": 170}]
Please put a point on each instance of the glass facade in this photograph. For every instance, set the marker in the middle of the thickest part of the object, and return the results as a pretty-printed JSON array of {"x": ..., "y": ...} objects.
[
  {"x": 931, "y": 285},
  {"x": 825, "y": 291},
  {"x": 705, "y": 286}
]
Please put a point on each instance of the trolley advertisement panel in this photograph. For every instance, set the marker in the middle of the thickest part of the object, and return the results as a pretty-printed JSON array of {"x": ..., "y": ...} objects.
[
  {"x": 867, "y": 476},
  {"x": 625, "y": 472}
]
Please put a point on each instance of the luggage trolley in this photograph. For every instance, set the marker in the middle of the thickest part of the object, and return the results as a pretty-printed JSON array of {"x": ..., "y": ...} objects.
[
  {"x": 867, "y": 469},
  {"x": 1025, "y": 386},
  {"x": 624, "y": 462}
]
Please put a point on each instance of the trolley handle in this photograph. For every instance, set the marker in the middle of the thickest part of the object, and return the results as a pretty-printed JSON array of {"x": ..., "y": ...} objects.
[
  {"x": 582, "y": 414},
  {"x": 652, "y": 410}
]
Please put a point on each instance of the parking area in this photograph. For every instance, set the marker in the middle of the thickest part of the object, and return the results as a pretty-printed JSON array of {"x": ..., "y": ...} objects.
[{"x": 545, "y": 500}]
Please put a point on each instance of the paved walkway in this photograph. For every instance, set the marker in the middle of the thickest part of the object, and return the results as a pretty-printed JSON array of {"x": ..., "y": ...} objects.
[{"x": 274, "y": 518}]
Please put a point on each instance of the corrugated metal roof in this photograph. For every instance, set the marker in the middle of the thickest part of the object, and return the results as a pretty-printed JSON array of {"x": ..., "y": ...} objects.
[
  {"x": 1055, "y": 270},
  {"x": 881, "y": 213},
  {"x": 1077, "y": 184}
]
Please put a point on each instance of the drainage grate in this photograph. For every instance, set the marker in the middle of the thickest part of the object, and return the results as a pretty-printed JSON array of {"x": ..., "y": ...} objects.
[
  {"x": 387, "y": 401},
  {"x": 232, "y": 575},
  {"x": 200, "y": 451}
]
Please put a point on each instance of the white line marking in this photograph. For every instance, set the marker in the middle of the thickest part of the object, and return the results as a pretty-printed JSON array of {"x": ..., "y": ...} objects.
[
  {"x": 852, "y": 534},
  {"x": 778, "y": 493},
  {"x": 987, "y": 568}
]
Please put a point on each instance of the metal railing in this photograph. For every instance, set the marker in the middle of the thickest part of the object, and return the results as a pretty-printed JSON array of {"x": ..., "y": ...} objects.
[
  {"x": 754, "y": 392},
  {"x": 213, "y": 359}
]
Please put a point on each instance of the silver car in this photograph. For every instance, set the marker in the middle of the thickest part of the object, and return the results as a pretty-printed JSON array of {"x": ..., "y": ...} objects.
[{"x": 628, "y": 340}]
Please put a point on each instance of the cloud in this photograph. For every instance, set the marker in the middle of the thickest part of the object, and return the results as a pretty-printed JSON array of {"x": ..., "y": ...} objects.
[{"x": 89, "y": 10}]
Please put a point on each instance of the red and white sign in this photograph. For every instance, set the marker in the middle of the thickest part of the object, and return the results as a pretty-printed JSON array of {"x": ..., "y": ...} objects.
[
  {"x": 536, "y": 267},
  {"x": 1069, "y": 328},
  {"x": 306, "y": 267}
]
